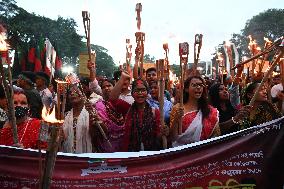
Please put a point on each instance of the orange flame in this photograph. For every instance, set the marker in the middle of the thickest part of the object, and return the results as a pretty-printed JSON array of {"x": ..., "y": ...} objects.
[
  {"x": 252, "y": 43},
  {"x": 3, "y": 44},
  {"x": 274, "y": 73},
  {"x": 50, "y": 118},
  {"x": 253, "y": 47},
  {"x": 267, "y": 40}
]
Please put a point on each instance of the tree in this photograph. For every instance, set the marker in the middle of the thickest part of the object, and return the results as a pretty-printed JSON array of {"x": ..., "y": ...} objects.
[
  {"x": 269, "y": 23},
  {"x": 27, "y": 29},
  {"x": 148, "y": 58},
  {"x": 266, "y": 24},
  {"x": 175, "y": 69}
]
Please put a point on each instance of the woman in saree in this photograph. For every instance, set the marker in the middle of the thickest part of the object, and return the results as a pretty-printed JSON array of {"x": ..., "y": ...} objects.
[
  {"x": 199, "y": 120},
  {"x": 262, "y": 110},
  {"x": 112, "y": 114}
]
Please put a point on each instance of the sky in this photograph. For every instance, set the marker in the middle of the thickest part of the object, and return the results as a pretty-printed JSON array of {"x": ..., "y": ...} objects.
[{"x": 162, "y": 21}]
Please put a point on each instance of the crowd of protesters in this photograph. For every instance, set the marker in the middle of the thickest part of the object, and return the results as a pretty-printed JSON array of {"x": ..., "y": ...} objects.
[{"x": 127, "y": 110}]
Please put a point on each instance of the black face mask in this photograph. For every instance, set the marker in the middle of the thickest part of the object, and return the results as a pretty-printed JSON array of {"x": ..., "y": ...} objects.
[{"x": 21, "y": 111}]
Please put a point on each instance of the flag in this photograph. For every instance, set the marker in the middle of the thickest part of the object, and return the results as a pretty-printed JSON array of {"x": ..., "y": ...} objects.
[
  {"x": 48, "y": 52},
  {"x": 16, "y": 69}
]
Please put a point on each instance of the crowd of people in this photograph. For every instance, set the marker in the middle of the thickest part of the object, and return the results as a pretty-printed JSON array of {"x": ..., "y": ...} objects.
[{"x": 128, "y": 111}]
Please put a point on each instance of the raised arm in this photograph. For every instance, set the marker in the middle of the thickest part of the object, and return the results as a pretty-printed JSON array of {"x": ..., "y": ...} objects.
[
  {"x": 93, "y": 85},
  {"x": 115, "y": 92}
]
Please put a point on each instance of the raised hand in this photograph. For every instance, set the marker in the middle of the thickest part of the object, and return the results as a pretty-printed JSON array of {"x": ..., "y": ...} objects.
[{"x": 90, "y": 65}]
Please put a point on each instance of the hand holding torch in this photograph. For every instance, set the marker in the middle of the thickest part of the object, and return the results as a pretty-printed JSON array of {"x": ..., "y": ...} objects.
[{"x": 280, "y": 49}]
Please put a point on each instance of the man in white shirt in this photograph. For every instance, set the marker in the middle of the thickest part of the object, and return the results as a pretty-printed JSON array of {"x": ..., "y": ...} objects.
[{"x": 42, "y": 82}]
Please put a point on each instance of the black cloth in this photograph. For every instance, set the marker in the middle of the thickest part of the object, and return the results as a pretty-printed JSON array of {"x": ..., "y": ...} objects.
[
  {"x": 274, "y": 166},
  {"x": 35, "y": 103},
  {"x": 226, "y": 116}
]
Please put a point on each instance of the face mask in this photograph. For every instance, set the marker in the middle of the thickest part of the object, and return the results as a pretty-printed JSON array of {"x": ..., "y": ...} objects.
[{"x": 21, "y": 111}]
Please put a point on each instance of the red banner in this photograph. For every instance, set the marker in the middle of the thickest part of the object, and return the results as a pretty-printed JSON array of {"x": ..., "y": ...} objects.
[{"x": 237, "y": 160}]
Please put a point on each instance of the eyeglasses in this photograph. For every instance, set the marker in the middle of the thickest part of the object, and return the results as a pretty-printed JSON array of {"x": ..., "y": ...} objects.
[
  {"x": 140, "y": 91},
  {"x": 197, "y": 85}
]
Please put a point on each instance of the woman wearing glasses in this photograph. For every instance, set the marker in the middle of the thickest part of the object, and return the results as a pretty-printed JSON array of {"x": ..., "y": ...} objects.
[
  {"x": 142, "y": 124},
  {"x": 199, "y": 120}
]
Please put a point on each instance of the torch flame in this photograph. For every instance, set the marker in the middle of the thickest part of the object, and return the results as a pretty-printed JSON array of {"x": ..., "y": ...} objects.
[
  {"x": 3, "y": 44},
  {"x": 251, "y": 43},
  {"x": 267, "y": 40},
  {"x": 274, "y": 74},
  {"x": 50, "y": 118}
]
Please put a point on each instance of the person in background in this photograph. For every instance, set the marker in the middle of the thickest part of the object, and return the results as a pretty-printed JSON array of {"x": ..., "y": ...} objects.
[
  {"x": 89, "y": 88},
  {"x": 276, "y": 79},
  {"x": 151, "y": 76},
  {"x": 112, "y": 114},
  {"x": 42, "y": 83},
  {"x": 25, "y": 81},
  {"x": 229, "y": 117},
  {"x": 200, "y": 121},
  {"x": 154, "y": 101},
  {"x": 262, "y": 111},
  {"x": 3, "y": 107},
  {"x": 90, "y": 84},
  {"x": 28, "y": 128},
  {"x": 125, "y": 93},
  {"x": 277, "y": 94}
]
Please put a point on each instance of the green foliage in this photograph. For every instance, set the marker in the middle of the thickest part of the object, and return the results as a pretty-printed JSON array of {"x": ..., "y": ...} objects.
[
  {"x": 269, "y": 23},
  {"x": 149, "y": 59},
  {"x": 8, "y": 8},
  {"x": 175, "y": 69},
  {"x": 28, "y": 29},
  {"x": 266, "y": 24}
]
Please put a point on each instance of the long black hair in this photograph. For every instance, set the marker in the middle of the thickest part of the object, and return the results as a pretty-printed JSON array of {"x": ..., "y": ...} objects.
[
  {"x": 248, "y": 90},
  {"x": 215, "y": 98},
  {"x": 203, "y": 101}
]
